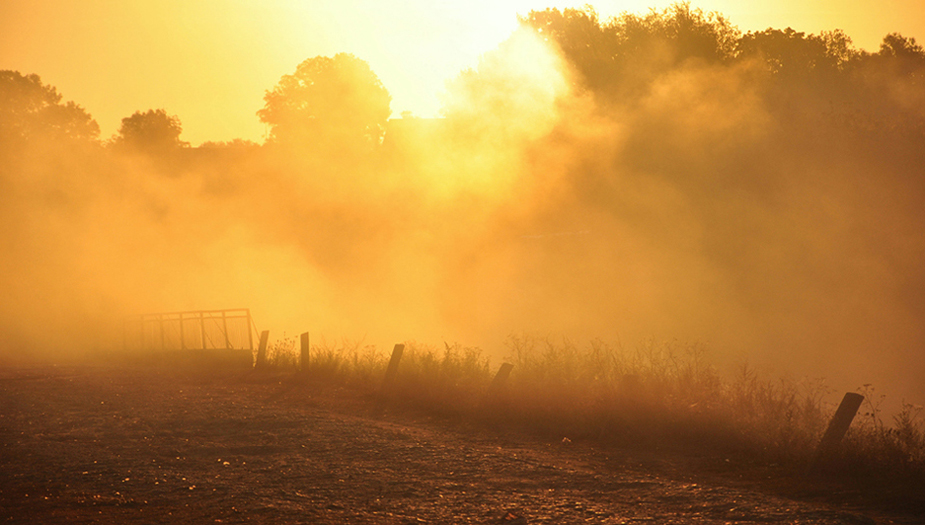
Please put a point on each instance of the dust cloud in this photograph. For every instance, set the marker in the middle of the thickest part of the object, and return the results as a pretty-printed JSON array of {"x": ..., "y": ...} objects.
[{"x": 773, "y": 214}]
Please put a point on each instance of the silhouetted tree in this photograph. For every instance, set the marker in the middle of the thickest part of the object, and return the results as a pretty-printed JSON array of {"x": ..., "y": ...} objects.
[
  {"x": 681, "y": 32},
  {"x": 901, "y": 58},
  {"x": 896, "y": 45},
  {"x": 587, "y": 45},
  {"x": 790, "y": 53},
  {"x": 838, "y": 47},
  {"x": 622, "y": 56},
  {"x": 891, "y": 88},
  {"x": 339, "y": 99},
  {"x": 31, "y": 110},
  {"x": 153, "y": 131}
]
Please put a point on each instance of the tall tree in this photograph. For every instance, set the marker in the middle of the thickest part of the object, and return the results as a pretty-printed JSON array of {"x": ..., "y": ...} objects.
[{"x": 328, "y": 99}]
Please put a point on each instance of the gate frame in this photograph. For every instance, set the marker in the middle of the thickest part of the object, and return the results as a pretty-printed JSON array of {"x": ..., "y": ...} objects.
[{"x": 159, "y": 320}]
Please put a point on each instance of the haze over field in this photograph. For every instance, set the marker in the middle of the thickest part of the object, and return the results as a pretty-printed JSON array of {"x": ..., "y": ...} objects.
[{"x": 661, "y": 175}]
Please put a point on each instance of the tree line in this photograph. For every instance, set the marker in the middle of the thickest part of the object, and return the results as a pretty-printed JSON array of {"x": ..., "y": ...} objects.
[
  {"x": 327, "y": 98},
  {"x": 341, "y": 100}
]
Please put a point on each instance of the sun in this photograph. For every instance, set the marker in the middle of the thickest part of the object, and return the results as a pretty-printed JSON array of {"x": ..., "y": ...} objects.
[{"x": 416, "y": 47}]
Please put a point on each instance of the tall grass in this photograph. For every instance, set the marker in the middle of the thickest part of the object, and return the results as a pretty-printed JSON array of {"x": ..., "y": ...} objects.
[
  {"x": 877, "y": 447},
  {"x": 657, "y": 393},
  {"x": 282, "y": 354}
]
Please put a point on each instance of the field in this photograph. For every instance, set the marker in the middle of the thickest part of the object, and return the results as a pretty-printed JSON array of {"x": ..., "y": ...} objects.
[{"x": 131, "y": 444}]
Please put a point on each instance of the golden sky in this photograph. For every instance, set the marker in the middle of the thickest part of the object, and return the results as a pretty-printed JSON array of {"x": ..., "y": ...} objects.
[{"x": 210, "y": 61}]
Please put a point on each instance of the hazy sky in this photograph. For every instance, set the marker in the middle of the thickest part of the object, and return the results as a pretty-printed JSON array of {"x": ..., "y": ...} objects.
[{"x": 210, "y": 61}]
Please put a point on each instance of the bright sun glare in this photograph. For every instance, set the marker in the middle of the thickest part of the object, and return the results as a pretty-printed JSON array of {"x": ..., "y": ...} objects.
[{"x": 417, "y": 47}]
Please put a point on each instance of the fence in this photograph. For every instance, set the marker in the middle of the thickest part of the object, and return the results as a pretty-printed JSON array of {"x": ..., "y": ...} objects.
[{"x": 195, "y": 330}]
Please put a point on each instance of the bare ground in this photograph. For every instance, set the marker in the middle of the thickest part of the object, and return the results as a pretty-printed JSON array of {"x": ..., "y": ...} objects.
[{"x": 119, "y": 445}]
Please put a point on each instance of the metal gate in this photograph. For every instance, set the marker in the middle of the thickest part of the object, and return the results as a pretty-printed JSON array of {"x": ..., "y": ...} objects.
[{"x": 194, "y": 330}]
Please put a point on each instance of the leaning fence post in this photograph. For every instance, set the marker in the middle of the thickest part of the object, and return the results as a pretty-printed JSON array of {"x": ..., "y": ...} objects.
[
  {"x": 838, "y": 427},
  {"x": 500, "y": 380},
  {"x": 303, "y": 354},
  {"x": 392, "y": 370},
  {"x": 495, "y": 400},
  {"x": 262, "y": 349}
]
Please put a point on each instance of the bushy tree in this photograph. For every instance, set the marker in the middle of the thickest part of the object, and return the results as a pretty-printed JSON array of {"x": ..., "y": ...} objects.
[
  {"x": 327, "y": 99},
  {"x": 620, "y": 57},
  {"x": 901, "y": 57},
  {"x": 787, "y": 52},
  {"x": 31, "y": 110},
  {"x": 153, "y": 131},
  {"x": 896, "y": 45},
  {"x": 682, "y": 32},
  {"x": 587, "y": 45}
]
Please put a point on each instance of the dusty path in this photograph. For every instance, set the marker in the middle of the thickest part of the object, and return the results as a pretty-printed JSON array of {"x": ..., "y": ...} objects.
[{"x": 123, "y": 446}]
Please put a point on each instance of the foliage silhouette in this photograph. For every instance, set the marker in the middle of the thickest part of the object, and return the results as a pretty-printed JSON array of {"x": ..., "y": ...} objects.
[
  {"x": 787, "y": 52},
  {"x": 328, "y": 100},
  {"x": 896, "y": 45},
  {"x": 153, "y": 131},
  {"x": 619, "y": 57},
  {"x": 31, "y": 110}
]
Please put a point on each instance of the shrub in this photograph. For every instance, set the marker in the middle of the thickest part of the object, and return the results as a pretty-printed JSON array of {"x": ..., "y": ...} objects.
[{"x": 663, "y": 393}]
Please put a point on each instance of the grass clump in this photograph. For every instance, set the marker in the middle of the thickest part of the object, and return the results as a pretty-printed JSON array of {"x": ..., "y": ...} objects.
[
  {"x": 604, "y": 392},
  {"x": 874, "y": 447},
  {"x": 448, "y": 381},
  {"x": 282, "y": 354}
]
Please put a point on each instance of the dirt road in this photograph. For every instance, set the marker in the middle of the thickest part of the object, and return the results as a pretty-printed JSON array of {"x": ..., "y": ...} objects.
[{"x": 82, "y": 445}]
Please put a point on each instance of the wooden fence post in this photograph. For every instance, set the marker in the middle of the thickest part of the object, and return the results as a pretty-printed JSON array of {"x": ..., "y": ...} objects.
[
  {"x": 834, "y": 434},
  {"x": 262, "y": 349},
  {"x": 392, "y": 370},
  {"x": 500, "y": 381},
  {"x": 303, "y": 357},
  {"x": 495, "y": 403}
]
